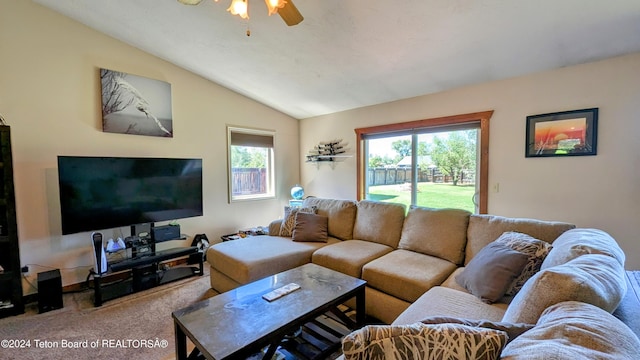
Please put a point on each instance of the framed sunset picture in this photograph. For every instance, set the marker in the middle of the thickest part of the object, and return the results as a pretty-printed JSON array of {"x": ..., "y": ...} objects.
[{"x": 567, "y": 133}]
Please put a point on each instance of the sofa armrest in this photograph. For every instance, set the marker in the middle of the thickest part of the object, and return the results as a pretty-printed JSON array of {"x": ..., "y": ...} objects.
[{"x": 274, "y": 227}]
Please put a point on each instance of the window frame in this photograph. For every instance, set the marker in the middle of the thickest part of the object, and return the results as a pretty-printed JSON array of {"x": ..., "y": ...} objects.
[
  {"x": 270, "y": 173},
  {"x": 481, "y": 118}
]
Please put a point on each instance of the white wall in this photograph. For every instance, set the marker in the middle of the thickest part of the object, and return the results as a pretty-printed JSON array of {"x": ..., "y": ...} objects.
[
  {"x": 50, "y": 95},
  {"x": 600, "y": 191}
]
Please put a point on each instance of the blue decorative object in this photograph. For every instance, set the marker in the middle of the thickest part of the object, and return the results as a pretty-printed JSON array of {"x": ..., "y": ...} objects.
[{"x": 297, "y": 192}]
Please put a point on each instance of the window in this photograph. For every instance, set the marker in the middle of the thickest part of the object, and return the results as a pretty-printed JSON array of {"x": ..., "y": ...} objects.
[
  {"x": 251, "y": 169},
  {"x": 439, "y": 163}
]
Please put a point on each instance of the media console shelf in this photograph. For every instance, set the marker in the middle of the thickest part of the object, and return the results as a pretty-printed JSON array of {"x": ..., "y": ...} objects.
[{"x": 144, "y": 273}]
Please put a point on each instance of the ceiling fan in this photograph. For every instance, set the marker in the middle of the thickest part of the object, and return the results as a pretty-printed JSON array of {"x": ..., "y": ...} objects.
[{"x": 285, "y": 8}]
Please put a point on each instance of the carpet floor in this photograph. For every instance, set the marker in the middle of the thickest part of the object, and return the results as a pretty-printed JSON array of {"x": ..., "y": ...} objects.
[{"x": 137, "y": 326}]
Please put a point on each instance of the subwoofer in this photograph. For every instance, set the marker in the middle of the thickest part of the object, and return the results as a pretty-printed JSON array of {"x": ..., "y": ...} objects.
[{"x": 49, "y": 291}]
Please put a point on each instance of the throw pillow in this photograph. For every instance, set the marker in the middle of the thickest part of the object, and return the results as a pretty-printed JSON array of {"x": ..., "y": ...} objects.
[
  {"x": 593, "y": 278},
  {"x": 575, "y": 330},
  {"x": 421, "y": 341},
  {"x": 536, "y": 250},
  {"x": 289, "y": 219},
  {"x": 490, "y": 273},
  {"x": 310, "y": 227},
  {"x": 512, "y": 330}
]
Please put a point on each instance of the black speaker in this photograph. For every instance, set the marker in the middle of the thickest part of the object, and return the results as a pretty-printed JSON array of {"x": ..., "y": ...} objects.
[
  {"x": 165, "y": 233},
  {"x": 49, "y": 291},
  {"x": 145, "y": 277}
]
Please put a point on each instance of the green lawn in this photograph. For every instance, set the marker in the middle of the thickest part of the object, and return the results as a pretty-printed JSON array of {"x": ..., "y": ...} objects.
[{"x": 429, "y": 195}]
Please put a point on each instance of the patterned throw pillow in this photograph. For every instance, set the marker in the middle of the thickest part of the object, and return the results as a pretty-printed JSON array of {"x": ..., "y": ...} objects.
[
  {"x": 536, "y": 250},
  {"x": 421, "y": 341},
  {"x": 289, "y": 219}
]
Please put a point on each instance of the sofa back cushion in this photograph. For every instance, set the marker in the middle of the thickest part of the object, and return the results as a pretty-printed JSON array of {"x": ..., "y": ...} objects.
[
  {"x": 594, "y": 279},
  {"x": 575, "y": 330},
  {"x": 484, "y": 229},
  {"x": 340, "y": 214},
  {"x": 438, "y": 232},
  {"x": 379, "y": 222},
  {"x": 578, "y": 242}
]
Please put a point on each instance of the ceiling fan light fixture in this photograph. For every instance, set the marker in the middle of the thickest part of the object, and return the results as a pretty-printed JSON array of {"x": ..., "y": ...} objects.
[
  {"x": 274, "y": 5},
  {"x": 240, "y": 8}
]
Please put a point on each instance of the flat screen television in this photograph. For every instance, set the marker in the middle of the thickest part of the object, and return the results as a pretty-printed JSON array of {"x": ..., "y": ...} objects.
[{"x": 99, "y": 193}]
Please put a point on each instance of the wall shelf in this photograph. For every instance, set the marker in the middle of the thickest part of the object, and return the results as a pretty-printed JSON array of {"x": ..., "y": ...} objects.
[{"x": 328, "y": 152}]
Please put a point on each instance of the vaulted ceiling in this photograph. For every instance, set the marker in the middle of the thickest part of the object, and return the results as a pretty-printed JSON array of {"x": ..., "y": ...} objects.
[{"x": 353, "y": 53}]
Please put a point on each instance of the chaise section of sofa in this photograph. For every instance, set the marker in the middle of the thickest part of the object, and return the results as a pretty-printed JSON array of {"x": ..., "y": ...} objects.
[{"x": 238, "y": 262}]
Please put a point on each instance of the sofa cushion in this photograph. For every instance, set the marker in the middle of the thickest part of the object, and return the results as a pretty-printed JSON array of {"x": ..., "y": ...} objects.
[
  {"x": 422, "y": 341},
  {"x": 536, "y": 251},
  {"x": 484, "y": 229},
  {"x": 490, "y": 273},
  {"x": 349, "y": 256},
  {"x": 575, "y": 330},
  {"x": 389, "y": 274},
  {"x": 379, "y": 222},
  {"x": 594, "y": 279},
  {"x": 289, "y": 219},
  {"x": 310, "y": 227},
  {"x": 437, "y": 232},
  {"x": 451, "y": 282},
  {"x": 341, "y": 215},
  {"x": 442, "y": 301},
  {"x": 577, "y": 242},
  {"x": 254, "y": 257}
]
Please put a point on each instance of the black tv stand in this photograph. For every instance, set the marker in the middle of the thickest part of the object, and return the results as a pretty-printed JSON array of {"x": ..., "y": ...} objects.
[{"x": 144, "y": 273}]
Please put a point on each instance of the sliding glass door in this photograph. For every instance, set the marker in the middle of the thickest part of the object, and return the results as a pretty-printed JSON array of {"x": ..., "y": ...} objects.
[
  {"x": 441, "y": 174},
  {"x": 436, "y": 165}
]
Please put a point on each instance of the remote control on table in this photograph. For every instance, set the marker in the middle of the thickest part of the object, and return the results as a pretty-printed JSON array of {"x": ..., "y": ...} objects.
[{"x": 280, "y": 292}]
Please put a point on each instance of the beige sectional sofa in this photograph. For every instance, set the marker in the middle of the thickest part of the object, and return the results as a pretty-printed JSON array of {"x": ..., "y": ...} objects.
[{"x": 411, "y": 259}]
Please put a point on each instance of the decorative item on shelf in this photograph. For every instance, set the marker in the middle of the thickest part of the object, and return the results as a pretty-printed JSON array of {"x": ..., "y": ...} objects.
[
  {"x": 331, "y": 151},
  {"x": 297, "y": 192}
]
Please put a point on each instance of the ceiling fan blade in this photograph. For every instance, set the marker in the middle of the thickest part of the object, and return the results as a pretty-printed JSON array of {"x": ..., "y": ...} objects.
[
  {"x": 190, "y": 2},
  {"x": 290, "y": 14}
]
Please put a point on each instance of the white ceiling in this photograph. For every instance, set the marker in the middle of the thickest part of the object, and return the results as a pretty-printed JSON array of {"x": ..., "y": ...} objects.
[{"x": 352, "y": 53}]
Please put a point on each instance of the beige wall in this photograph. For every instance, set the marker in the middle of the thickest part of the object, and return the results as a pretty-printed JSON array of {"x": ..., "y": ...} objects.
[
  {"x": 50, "y": 95},
  {"x": 600, "y": 191}
]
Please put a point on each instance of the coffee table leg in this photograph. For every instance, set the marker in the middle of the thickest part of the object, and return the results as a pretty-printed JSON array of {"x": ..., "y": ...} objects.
[
  {"x": 181, "y": 343},
  {"x": 360, "y": 308}
]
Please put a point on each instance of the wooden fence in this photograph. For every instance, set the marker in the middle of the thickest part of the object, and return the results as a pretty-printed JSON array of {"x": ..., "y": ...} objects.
[
  {"x": 249, "y": 181},
  {"x": 401, "y": 175}
]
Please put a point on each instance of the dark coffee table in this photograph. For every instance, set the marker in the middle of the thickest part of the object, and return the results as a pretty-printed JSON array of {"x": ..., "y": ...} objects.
[{"x": 239, "y": 323}]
